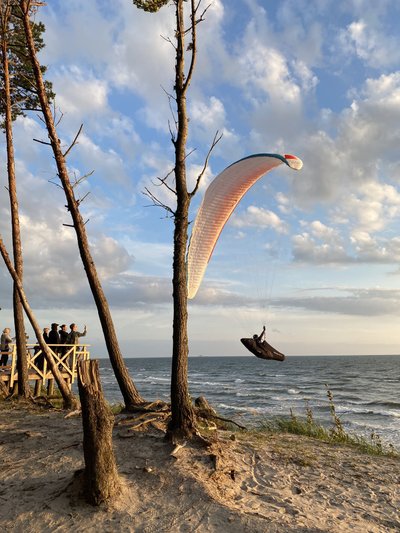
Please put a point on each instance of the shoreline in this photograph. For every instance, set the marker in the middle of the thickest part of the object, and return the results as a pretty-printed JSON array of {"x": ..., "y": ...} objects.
[{"x": 258, "y": 483}]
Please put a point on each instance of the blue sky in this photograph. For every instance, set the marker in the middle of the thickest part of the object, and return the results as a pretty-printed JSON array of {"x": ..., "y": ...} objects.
[{"x": 313, "y": 254}]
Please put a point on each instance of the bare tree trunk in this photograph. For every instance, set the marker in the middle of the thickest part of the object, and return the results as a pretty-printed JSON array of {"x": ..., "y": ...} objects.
[
  {"x": 182, "y": 423},
  {"x": 70, "y": 401},
  {"x": 129, "y": 392},
  {"x": 3, "y": 391},
  {"x": 100, "y": 475},
  {"x": 22, "y": 364}
]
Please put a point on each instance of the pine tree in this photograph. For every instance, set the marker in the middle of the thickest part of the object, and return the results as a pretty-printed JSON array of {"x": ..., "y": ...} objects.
[
  {"x": 17, "y": 95},
  {"x": 131, "y": 395}
]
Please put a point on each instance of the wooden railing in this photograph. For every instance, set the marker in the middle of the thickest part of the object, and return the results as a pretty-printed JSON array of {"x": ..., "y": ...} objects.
[{"x": 65, "y": 356}]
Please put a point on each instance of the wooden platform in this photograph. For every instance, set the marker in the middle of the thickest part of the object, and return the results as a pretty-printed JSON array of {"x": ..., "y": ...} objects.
[{"x": 66, "y": 357}]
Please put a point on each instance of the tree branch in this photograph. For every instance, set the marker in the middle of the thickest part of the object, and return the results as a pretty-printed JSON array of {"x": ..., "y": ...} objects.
[
  {"x": 157, "y": 202},
  {"x": 193, "y": 45},
  {"x": 42, "y": 142},
  {"x": 74, "y": 142},
  {"x": 217, "y": 138}
]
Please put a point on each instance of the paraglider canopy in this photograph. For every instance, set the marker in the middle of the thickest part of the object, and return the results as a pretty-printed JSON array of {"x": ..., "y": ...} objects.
[{"x": 220, "y": 199}]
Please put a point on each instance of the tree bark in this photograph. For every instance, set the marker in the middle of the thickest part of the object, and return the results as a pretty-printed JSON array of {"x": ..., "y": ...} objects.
[
  {"x": 101, "y": 479},
  {"x": 22, "y": 363},
  {"x": 129, "y": 392},
  {"x": 3, "y": 391}
]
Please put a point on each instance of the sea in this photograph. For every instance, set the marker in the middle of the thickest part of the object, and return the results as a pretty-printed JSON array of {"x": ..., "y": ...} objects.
[{"x": 365, "y": 389}]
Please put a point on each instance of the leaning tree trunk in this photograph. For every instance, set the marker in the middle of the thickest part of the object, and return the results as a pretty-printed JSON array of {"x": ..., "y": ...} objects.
[
  {"x": 70, "y": 401},
  {"x": 182, "y": 423},
  {"x": 22, "y": 363},
  {"x": 101, "y": 482},
  {"x": 129, "y": 392}
]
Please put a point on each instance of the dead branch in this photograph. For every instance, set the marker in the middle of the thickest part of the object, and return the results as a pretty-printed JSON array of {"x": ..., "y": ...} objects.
[
  {"x": 144, "y": 422},
  {"x": 54, "y": 183},
  {"x": 228, "y": 420},
  {"x": 168, "y": 40},
  {"x": 217, "y": 138},
  {"x": 157, "y": 202},
  {"x": 163, "y": 181},
  {"x": 42, "y": 142},
  {"x": 73, "y": 142},
  {"x": 177, "y": 448},
  {"x": 78, "y": 181},
  {"x": 80, "y": 200},
  {"x": 193, "y": 45},
  {"x": 77, "y": 412},
  {"x": 55, "y": 114},
  {"x": 149, "y": 408}
]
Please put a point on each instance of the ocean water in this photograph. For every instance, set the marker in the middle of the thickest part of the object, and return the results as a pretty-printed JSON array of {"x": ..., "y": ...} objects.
[{"x": 366, "y": 389}]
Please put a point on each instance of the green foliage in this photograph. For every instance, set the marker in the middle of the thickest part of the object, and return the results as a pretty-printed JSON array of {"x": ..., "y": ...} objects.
[
  {"x": 23, "y": 91},
  {"x": 334, "y": 435},
  {"x": 150, "y": 5},
  {"x": 116, "y": 408}
]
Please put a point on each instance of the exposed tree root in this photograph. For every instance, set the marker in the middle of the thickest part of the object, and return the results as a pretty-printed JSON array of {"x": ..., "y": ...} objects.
[
  {"x": 43, "y": 401},
  {"x": 157, "y": 415}
]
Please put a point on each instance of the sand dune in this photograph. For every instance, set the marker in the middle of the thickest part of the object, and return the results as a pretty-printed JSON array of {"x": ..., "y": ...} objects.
[{"x": 279, "y": 483}]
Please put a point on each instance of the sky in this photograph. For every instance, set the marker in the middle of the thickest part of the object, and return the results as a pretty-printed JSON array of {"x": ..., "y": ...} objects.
[{"x": 312, "y": 254}]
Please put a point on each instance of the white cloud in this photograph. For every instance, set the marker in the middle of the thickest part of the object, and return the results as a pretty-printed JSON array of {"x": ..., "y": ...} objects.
[
  {"x": 320, "y": 244},
  {"x": 371, "y": 44},
  {"x": 80, "y": 94},
  {"x": 374, "y": 208},
  {"x": 349, "y": 301},
  {"x": 106, "y": 162},
  {"x": 259, "y": 218},
  {"x": 308, "y": 80},
  {"x": 323, "y": 232},
  {"x": 267, "y": 71},
  {"x": 75, "y": 30},
  {"x": 306, "y": 249}
]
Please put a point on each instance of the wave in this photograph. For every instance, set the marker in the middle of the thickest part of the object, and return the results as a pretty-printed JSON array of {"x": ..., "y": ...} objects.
[
  {"x": 242, "y": 409},
  {"x": 211, "y": 383},
  {"x": 368, "y": 412},
  {"x": 156, "y": 378},
  {"x": 364, "y": 395},
  {"x": 384, "y": 403}
]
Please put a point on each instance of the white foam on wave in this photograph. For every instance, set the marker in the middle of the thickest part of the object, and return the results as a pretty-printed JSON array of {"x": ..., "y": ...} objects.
[
  {"x": 232, "y": 407},
  {"x": 365, "y": 411},
  {"x": 242, "y": 409},
  {"x": 211, "y": 383}
]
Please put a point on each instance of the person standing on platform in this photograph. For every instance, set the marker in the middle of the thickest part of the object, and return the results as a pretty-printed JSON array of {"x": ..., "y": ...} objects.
[
  {"x": 63, "y": 333},
  {"x": 46, "y": 335},
  {"x": 5, "y": 346},
  {"x": 54, "y": 337},
  {"x": 74, "y": 334}
]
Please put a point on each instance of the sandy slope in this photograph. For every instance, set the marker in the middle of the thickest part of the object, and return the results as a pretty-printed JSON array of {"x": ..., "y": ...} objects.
[{"x": 278, "y": 483}]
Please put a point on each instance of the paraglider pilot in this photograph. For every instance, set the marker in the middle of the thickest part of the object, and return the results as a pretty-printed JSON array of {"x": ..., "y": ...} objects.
[{"x": 260, "y": 338}]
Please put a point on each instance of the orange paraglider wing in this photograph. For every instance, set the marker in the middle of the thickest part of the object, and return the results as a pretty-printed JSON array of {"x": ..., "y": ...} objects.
[{"x": 220, "y": 199}]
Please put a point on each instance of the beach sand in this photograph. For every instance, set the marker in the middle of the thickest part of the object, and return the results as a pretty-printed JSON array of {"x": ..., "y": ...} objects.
[{"x": 277, "y": 483}]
